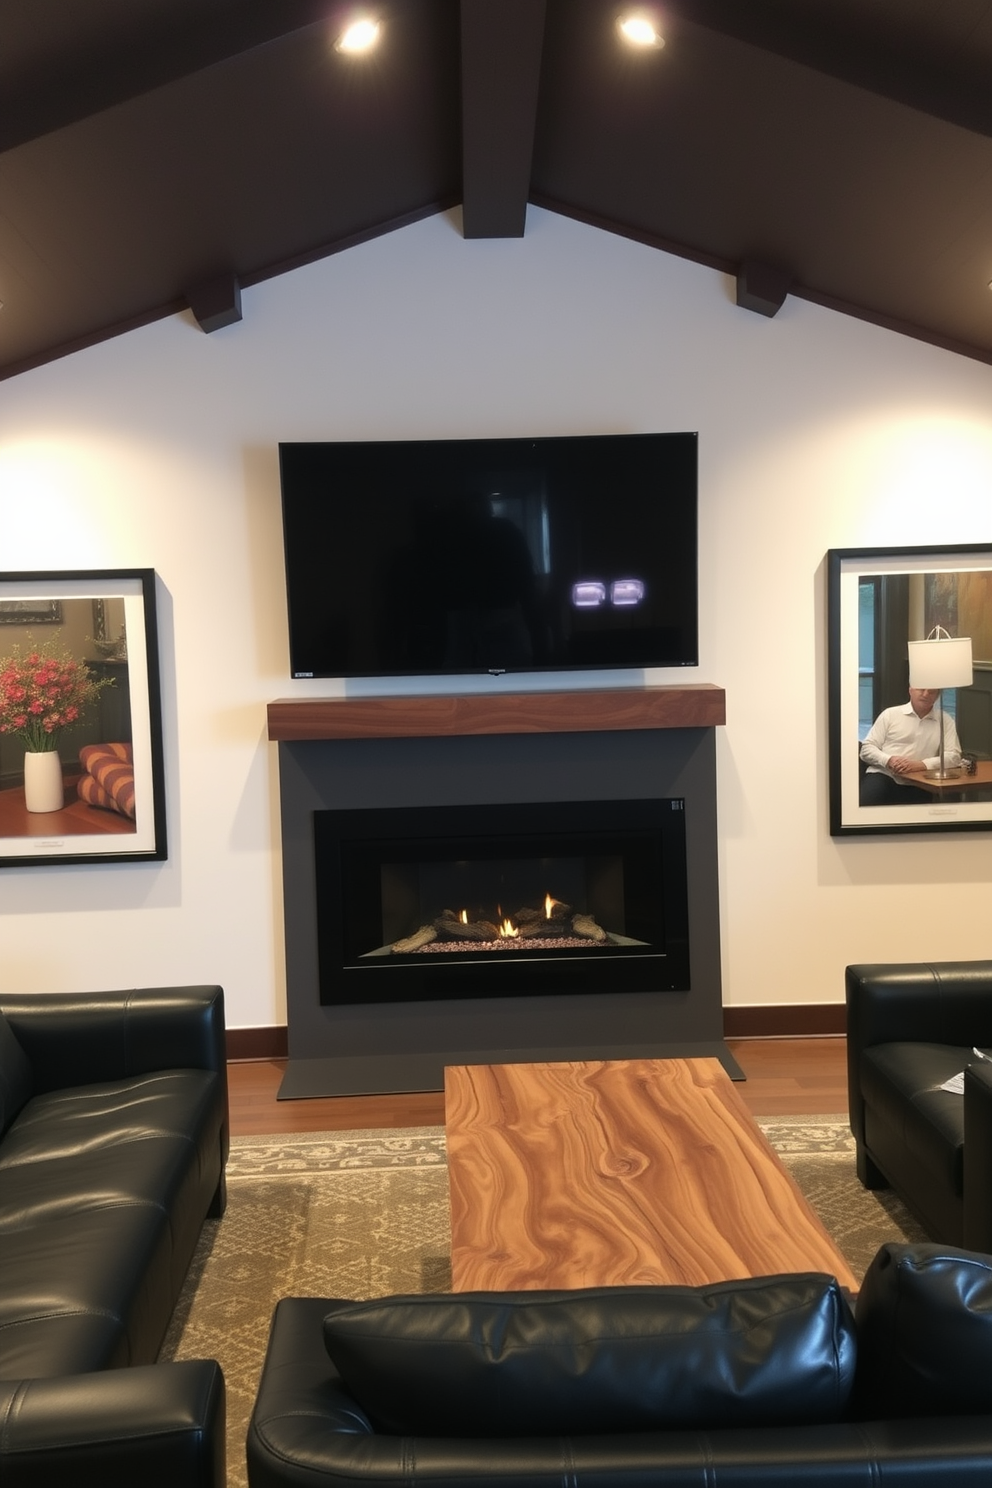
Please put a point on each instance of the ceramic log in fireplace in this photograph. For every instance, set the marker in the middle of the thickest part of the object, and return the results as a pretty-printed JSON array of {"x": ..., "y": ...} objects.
[{"x": 533, "y": 898}]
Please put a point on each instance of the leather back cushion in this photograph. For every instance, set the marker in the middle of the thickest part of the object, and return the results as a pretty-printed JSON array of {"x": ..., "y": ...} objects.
[
  {"x": 924, "y": 1320},
  {"x": 774, "y": 1350},
  {"x": 16, "y": 1082}
]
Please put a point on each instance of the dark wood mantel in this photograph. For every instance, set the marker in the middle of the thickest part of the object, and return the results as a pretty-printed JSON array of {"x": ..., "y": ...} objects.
[{"x": 694, "y": 705}]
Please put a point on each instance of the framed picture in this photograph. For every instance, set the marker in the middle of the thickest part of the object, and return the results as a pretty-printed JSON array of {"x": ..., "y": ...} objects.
[
  {"x": 878, "y": 601},
  {"x": 81, "y": 767}
]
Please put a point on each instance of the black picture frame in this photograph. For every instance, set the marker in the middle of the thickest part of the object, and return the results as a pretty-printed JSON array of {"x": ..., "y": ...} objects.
[
  {"x": 890, "y": 590},
  {"x": 107, "y": 619}
]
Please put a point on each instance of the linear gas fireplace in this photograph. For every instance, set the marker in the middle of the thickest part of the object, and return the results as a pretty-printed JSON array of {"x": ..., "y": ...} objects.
[
  {"x": 534, "y": 898},
  {"x": 429, "y": 923}
]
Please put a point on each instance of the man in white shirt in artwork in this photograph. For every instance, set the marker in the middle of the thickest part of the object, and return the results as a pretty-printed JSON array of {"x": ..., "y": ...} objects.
[{"x": 903, "y": 742}]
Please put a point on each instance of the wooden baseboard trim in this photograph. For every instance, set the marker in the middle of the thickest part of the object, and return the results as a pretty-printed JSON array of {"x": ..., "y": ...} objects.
[
  {"x": 257, "y": 1043},
  {"x": 793, "y": 1020}
]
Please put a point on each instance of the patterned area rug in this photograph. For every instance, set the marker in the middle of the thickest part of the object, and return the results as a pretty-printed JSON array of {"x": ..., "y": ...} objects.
[{"x": 365, "y": 1214}]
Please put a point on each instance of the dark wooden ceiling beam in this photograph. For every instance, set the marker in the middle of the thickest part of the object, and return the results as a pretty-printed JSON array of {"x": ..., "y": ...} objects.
[
  {"x": 87, "y": 84},
  {"x": 762, "y": 287},
  {"x": 501, "y": 71},
  {"x": 877, "y": 59},
  {"x": 216, "y": 302}
]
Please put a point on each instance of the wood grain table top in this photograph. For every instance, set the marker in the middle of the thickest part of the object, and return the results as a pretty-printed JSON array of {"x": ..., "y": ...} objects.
[
  {"x": 957, "y": 784},
  {"x": 618, "y": 1173}
]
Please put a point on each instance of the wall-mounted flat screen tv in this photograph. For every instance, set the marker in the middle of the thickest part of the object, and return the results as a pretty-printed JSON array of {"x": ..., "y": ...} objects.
[{"x": 442, "y": 557}]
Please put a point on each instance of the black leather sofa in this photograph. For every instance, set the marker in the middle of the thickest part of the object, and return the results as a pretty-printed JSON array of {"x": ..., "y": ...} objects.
[
  {"x": 747, "y": 1383},
  {"x": 910, "y": 1027},
  {"x": 113, "y": 1140}
]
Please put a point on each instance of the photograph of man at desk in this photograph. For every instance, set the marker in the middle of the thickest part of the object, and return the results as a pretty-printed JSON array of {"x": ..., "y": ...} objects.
[{"x": 935, "y": 741}]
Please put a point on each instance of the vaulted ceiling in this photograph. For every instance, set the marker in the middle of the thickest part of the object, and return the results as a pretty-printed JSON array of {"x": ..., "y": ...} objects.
[{"x": 160, "y": 155}]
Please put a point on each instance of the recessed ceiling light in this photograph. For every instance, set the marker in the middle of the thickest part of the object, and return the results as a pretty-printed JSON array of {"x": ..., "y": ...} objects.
[
  {"x": 359, "y": 36},
  {"x": 638, "y": 29}
]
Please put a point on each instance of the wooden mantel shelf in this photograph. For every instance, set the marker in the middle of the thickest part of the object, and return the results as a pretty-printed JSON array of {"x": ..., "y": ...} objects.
[{"x": 696, "y": 705}]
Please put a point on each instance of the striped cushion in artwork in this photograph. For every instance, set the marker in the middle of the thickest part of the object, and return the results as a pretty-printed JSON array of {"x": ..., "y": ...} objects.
[{"x": 108, "y": 778}]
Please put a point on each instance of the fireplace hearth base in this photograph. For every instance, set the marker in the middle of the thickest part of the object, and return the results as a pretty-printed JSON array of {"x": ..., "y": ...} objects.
[{"x": 409, "y": 1074}]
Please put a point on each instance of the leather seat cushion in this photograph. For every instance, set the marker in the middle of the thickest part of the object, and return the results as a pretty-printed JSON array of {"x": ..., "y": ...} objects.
[
  {"x": 98, "y": 1281},
  {"x": 70, "y": 1122},
  {"x": 149, "y": 1170},
  {"x": 164, "y": 1173},
  {"x": 769, "y": 1350},
  {"x": 901, "y": 1085}
]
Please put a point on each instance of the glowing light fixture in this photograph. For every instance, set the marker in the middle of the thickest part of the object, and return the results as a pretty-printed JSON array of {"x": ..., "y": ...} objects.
[
  {"x": 639, "y": 30},
  {"x": 938, "y": 662},
  {"x": 359, "y": 36}
]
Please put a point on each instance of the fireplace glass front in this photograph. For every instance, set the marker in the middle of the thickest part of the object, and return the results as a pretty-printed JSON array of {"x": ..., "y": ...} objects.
[{"x": 495, "y": 901}]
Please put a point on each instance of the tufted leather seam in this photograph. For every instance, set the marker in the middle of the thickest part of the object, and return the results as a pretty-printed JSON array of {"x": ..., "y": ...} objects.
[
  {"x": 870, "y": 1455},
  {"x": 84, "y": 1208},
  {"x": 10, "y": 1413},
  {"x": 66, "y": 1312},
  {"x": 128, "y": 1003},
  {"x": 706, "y": 1453},
  {"x": 408, "y": 1459},
  {"x": 260, "y": 1429},
  {"x": 42, "y": 1157},
  {"x": 79, "y": 1092},
  {"x": 568, "y": 1474}
]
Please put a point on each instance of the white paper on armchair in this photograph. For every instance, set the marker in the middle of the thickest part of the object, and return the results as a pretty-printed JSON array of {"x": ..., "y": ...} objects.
[{"x": 956, "y": 1083}]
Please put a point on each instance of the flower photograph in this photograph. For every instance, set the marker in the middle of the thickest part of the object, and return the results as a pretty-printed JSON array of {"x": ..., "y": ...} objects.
[
  {"x": 43, "y": 691},
  {"x": 79, "y": 731}
]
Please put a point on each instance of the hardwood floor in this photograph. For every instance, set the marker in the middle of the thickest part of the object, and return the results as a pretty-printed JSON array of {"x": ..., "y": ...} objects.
[{"x": 785, "y": 1077}]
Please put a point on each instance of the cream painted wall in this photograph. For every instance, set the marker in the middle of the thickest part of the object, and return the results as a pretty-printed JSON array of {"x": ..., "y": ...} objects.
[{"x": 816, "y": 431}]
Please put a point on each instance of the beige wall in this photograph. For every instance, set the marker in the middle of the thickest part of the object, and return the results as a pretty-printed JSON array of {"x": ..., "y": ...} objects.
[{"x": 159, "y": 449}]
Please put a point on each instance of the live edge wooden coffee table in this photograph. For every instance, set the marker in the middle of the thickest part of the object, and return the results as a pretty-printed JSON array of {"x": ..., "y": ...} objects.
[{"x": 618, "y": 1173}]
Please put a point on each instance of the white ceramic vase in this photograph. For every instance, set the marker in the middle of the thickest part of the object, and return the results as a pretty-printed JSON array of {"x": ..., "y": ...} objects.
[{"x": 43, "y": 789}]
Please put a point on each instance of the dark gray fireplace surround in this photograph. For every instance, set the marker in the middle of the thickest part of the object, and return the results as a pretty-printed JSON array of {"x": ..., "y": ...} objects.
[{"x": 400, "y": 1047}]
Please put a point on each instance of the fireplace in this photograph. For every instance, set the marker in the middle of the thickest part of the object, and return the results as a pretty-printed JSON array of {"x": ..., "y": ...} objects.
[
  {"x": 525, "y": 899},
  {"x": 601, "y": 765}
]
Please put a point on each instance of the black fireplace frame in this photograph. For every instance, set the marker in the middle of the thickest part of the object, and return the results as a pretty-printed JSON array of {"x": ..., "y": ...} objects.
[
  {"x": 646, "y": 836},
  {"x": 349, "y": 1050}
]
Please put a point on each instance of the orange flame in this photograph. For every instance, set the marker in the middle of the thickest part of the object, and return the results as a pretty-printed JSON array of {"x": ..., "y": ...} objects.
[
  {"x": 549, "y": 905},
  {"x": 508, "y": 931},
  {"x": 464, "y": 916}
]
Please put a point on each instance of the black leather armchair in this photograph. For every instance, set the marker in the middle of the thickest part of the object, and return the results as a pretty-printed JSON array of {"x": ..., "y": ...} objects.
[
  {"x": 910, "y": 1026},
  {"x": 755, "y": 1382}
]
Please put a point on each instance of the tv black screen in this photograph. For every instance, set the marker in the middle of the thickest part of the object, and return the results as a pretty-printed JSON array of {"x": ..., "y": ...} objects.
[{"x": 435, "y": 557}]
